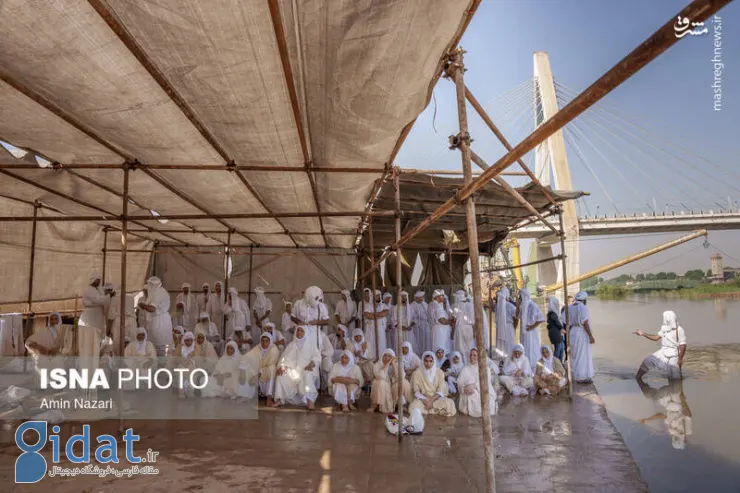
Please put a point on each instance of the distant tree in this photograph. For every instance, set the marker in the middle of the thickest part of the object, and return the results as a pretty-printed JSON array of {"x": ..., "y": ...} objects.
[
  {"x": 709, "y": 273},
  {"x": 623, "y": 278},
  {"x": 695, "y": 274},
  {"x": 671, "y": 276},
  {"x": 591, "y": 282},
  {"x": 661, "y": 276},
  {"x": 640, "y": 277},
  {"x": 650, "y": 277}
]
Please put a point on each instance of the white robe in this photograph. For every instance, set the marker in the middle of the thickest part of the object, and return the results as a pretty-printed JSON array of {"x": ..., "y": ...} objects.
[
  {"x": 405, "y": 321},
  {"x": 471, "y": 404},
  {"x": 505, "y": 332},
  {"x": 375, "y": 326},
  {"x": 92, "y": 324},
  {"x": 419, "y": 314},
  {"x": 517, "y": 385},
  {"x": 135, "y": 358},
  {"x": 530, "y": 339},
  {"x": 347, "y": 312},
  {"x": 114, "y": 311},
  {"x": 188, "y": 317},
  {"x": 464, "y": 328},
  {"x": 215, "y": 309},
  {"x": 343, "y": 393},
  {"x": 582, "y": 364},
  {"x": 201, "y": 303},
  {"x": 287, "y": 327},
  {"x": 441, "y": 333},
  {"x": 227, "y": 366},
  {"x": 49, "y": 338},
  {"x": 297, "y": 385},
  {"x": 238, "y": 319},
  {"x": 160, "y": 323},
  {"x": 306, "y": 313}
]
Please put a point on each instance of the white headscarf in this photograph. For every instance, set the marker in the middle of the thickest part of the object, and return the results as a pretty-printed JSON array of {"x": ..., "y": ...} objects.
[
  {"x": 347, "y": 309},
  {"x": 388, "y": 296},
  {"x": 185, "y": 350},
  {"x": 455, "y": 368},
  {"x": 206, "y": 285},
  {"x": 141, "y": 345},
  {"x": 358, "y": 332},
  {"x": 553, "y": 305},
  {"x": 342, "y": 370},
  {"x": 300, "y": 341},
  {"x": 344, "y": 329},
  {"x": 185, "y": 285},
  {"x": 419, "y": 294},
  {"x": 55, "y": 328},
  {"x": 408, "y": 359},
  {"x": 261, "y": 303},
  {"x": 581, "y": 296},
  {"x": 269, "y": 336},
  {"x": 236, "y": 354},
  {"x": 437, "y": 362},
  {"x": 312, "y": 296},
  {"x": 670, "y": 322},
  {"x": 547, "y": 362},
  {"x": 94, "y": 276},
  {"x": 438, "y": 292},
  {"x": 517, "y": 347},
  {"x": 429, "y": 374}
]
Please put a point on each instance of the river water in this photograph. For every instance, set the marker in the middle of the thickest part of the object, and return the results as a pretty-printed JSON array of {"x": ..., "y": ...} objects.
[{"x": 684, "y": 436}]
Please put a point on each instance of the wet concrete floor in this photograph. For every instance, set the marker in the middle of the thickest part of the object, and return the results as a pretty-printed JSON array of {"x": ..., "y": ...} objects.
[{"x": 542, "y": 444}]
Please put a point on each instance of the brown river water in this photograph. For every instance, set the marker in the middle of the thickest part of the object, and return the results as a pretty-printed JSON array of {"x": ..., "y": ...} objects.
[{"x": 685, "y": 436}]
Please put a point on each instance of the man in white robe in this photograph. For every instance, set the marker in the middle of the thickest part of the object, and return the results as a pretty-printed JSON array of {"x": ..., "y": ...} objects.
[
  {"x": 311, "y": 313},
  {"x": 441, "y": 322},
  {"x": 216, "y": 303},
  {"x": 375, "y": 324},
  {"x": 91, "y": 325},
  {"x": 157, "y": 306},
  {"x": 261, "y": 310},
  {"x": 201, "y": 300},
  {"x": 405, "y": 324},
  {"x": 531, "y": 318},
  {"x": 419, "y": 317},
  {"x": 390, "y": 321},
  {"x": 142, "y": 316},
  {"x": 669, "y": 358},
  {"x": 236, "y": 314},
  {"x": 297, "y": 372},
  {"x": 463, "y": 313},
  {"x": 186, "y": 307},
  {"x": 258, "y": 369},
  {"x": 44, "y": 344},
  {"x": 327, "y": 360},
  {"x": 114, "y": 318},
  {"x": 345, "y": 312},
  {"x": 581, "y": 340},
  {"x": 505, "y": 323},
  {"x": 287, "y": 326}
]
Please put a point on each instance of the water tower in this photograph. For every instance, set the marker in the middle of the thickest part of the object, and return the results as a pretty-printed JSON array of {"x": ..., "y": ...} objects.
[{"x": 718, "y": 274}]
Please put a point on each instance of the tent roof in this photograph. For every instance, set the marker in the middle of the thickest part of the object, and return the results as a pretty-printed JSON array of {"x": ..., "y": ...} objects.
[
  {"x": 497, "y": 211},
  {"x": 326, "y": 83}
]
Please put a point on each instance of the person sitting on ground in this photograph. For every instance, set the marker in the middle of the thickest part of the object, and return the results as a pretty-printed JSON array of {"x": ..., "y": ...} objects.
[
  {"x": 184, "y": 358},
  {"x": 345, "y": 379},
  {"x": 384, "y": 393},
  {"x": 451, "y": 374},
  {"x": 549, "y": 376},
  {"x": 223, "y": 380},
  {"x": 517, "y": 377},
  {"x": 297, "y": 372},
  {"x": 45, "y": 343},
  {"x": 277, "y": 336},
  {"x": 411, "y": 362},
  {"x": 669, "y": 358},
  {"x": 206, "y": 327},
  {"x": 469, "y": 384},
  {"x": 177, "y": 332},
  {"x": 440, "y": 359},
  {"x": 361, "y": 351},
  {"x": 205, "y": 355},
  {"x": 258, "y": 370},
  {"x": 139, "y": 356},
  {"x": 430, "y": 389}
]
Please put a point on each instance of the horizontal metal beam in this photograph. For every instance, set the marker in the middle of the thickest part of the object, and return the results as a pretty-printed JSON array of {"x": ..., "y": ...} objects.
[
  {"x": 442, "y": 172},
  {"x": 201, "y": 167},
  {"x": 184, "y": 217},
  {"x": 297, "y": 251}
]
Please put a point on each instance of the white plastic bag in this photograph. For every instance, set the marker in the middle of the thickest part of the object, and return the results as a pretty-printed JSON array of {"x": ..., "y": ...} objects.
[{"x": 417, "y": 423}]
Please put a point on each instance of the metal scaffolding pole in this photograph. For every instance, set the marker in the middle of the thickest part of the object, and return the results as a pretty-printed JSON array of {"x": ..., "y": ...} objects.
[
  {"x": 399, "y": 305},
  {"x": 124, "y": 233},
  {"x": 249, "y": 283},
  {"x": 30, "y": 318},
  {"x": 463, "y": 142},
  {"x": 105, "y": 250},
  {"x": 362, "y": 286},
  {"x": 372, "y": 284},
  {"x": 565, "y": 302},
  {"x": 227, "y": 256}
]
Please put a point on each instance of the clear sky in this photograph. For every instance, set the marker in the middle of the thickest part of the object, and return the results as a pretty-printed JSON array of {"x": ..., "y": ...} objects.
[{"x": 654, "y": 142}]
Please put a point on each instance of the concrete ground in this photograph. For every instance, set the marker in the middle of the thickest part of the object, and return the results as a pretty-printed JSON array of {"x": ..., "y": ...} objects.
[{"x": 542, "y": 444}]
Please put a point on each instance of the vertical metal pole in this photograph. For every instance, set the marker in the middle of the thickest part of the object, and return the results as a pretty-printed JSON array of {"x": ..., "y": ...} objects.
[
  {"x": 457, "y": 69},
  {"x": 565, "y": 301},
  {"x": 30, "y": 318},
  {"x": 227, "y": 255},
  {"x": 105, "y": 250},
  {"x": 124, "y": 234},
  {"x": 249, "y": 283},
  {"x": 399, "y": 305},
  {"x": 362, "y": 286},
  {"x": 372, "y": 284}
]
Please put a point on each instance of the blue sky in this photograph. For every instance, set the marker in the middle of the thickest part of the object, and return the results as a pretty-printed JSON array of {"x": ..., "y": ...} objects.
[{"x": 671, "y": 99}]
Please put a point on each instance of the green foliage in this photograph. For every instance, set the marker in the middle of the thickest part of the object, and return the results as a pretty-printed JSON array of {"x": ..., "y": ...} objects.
[
  {"x": 709, "y": 272},
  {"x": 591, "y": 282},
  {"x": 695, "y": 274},
  {"x": 671, "y": 276},
  {"x": 661, "y": 276},
  {"x": 610, "y": 291},
  {"x": 640, "y": 277},
  {"x": 650, "y": 277}
]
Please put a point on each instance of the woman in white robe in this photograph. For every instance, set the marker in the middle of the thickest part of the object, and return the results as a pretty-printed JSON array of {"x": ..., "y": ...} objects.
[
  {"x": 258, "y": 370},
  {"x": 345, "y": 312},
  {"x": 517, "y": 377},
  {"x": 440, "y": 358},
  {"x": 345, "y": 379},
  {"x": 224, "y": 377},
  {"x": 441, "y": 322},
  {"x": 277, "y": 336},
  {"x": 287, "y": 326},
  {"x": 361, "y": 352},
  {"x": 186, "y": 305},
  {"x": 505, "y": 323},
  {"x": 469, "y": 384},
  {"x": 201, "y": 301},
  {"x": 340, "y": 341},
  {"x": 91, "y": 325},
  {"x": 206, "y": 327},
  {"x": 139, "y": 355},
  {"x": 184, "y": 358},
  {"x": 463, "y": 313},
  {"x": 430, "y": 389},
  {"x": 178, "y": 332},
  {"x": 531, "y": 318},
  {"x": 411, "y": 362},
  {"x": 216, "y": 303},
  {"x": 205, "y": 355},
  {"x": 384, "y": 394},
  {"x": 581, "y": 340},
  {"x": 159, "y": 324},
  {"x": 297, "y": 372},
  {"x": 549, "y": 377},
  {"x": 44, "y": 344},
  {"x": 453, "y": 372}
]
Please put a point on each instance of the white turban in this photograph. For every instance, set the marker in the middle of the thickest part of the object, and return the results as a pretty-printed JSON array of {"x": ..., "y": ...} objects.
[
  {"x": 581, "y": 296},
  {"x": 312, "y": 296},
  {"x": 186, "y": 285},
  {"x": 94, "y": 276},
  {"x": 154, "y": 282},
  {"x": 438, "y": 292},
  {"x": 419, "y": 294}
]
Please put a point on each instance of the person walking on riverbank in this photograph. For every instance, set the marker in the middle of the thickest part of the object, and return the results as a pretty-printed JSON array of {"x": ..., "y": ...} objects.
[
  {"x": 581, "y": 340},
  {"x": 669, "y": 358}
]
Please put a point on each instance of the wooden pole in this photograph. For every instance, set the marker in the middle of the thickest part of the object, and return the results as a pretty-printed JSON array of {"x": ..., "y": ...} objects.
[
  {"x": 105, "y": 248},
  {"x": 372, "y": 284},
  {"x": 249, "y": 283},
  {"x": 227, "y": 256},
  {"x": 362, "y": 286},
  {"x": 565, "y": 301},
  {"x": 399, "y": 306},
  {"x": 463, "y": 139},
  {"x": 30, "y": 318},
  {"x": 124, "y": 232}
]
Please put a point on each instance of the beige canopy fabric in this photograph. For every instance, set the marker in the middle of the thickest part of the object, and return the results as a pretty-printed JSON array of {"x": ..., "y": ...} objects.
[{"x": 209, "y": 82}]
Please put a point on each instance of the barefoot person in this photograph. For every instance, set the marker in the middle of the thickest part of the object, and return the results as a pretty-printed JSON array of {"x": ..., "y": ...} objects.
[
  {"x": 430, "y": 389},
  {"x": 345, "y": 379},
  {"x": 581, "y": 340},
  {"x": 517, "y": 377},
  {"x": 549, "y": 377},
  {"x": 669, "y": 358},
  {"x": 298, "y": 371},
  {"x": 469, "y": 385},
  {"x": 384, "y": 393}
]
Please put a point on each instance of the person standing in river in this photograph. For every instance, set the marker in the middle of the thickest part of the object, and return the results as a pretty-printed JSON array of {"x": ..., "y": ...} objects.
[
  {"x": 581, "y": 340},
  {"x": 669, "y": 358}
]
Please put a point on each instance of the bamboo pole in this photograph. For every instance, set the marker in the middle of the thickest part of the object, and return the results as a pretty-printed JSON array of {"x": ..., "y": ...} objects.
[
  {"x": 362, "y": 286},
  {"x": 442, "y": 172},
  {"x": 227, "y": 255},
  {"x": 399, "y": 306},
  {"x": 105, "y": 216},
  {"x": 30, "y": 318},
  {"x": 457, "y": 69},
  {"x": 199, "y": 167},
  {"x": 661, "y": 40},
  {"x": 372, "y": 284},
  {"x": 124, "y": 232},
  {"x": 565, "y": 302},
  {"x": 526, "y": 264},
  {"x": 105, "y": 247}
]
